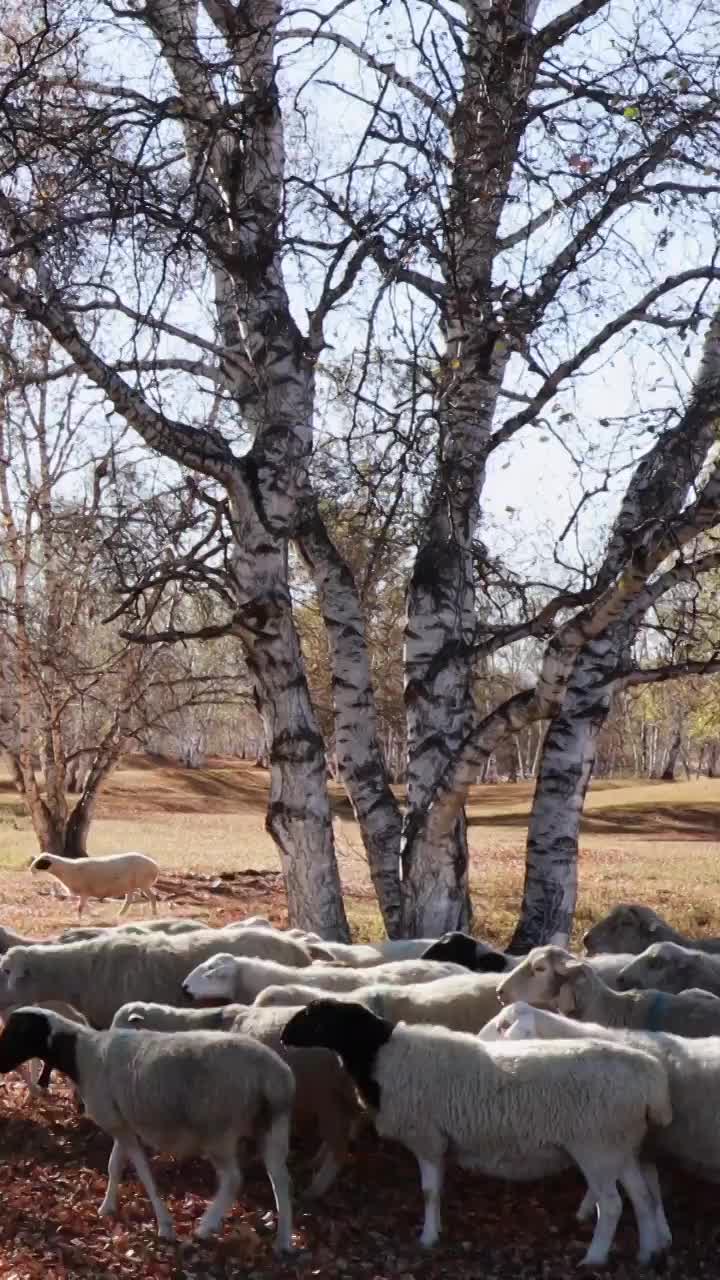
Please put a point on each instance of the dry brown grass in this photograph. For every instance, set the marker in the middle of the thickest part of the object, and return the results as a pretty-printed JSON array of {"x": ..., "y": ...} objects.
[{"x": 649, "y": 841}]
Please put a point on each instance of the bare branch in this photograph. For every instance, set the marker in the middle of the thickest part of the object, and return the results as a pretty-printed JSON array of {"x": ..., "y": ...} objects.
[
  {"x": 673, "y": 671},
  {"x": 386, "y": 69},
  {"x": 565, "y": 370},
  {"x": 191, "y": 447},
  {"x": 553, "y": 33}
]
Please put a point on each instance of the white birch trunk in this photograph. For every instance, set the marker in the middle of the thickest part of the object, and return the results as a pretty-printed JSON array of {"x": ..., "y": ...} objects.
[
  {"x": 360, "y": 759},
  {"x": 298, "y": 816},
  {"x": 568, "y": 756},
  {"x": 440, "y": 629}
]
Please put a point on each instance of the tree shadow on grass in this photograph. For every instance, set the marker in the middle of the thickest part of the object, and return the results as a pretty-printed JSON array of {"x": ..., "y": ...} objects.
[{"x": 670, "y": 822}]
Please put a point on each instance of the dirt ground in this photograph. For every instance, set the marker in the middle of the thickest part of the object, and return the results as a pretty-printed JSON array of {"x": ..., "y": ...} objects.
[{"x": 650, "y": 842}]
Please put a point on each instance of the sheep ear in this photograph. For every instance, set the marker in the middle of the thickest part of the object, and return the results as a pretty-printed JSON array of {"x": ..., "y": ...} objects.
[
  {"x": 135, "y": 1020},
  {"x": 566, "y": 999},
  {"x": 319, "y": 952}
]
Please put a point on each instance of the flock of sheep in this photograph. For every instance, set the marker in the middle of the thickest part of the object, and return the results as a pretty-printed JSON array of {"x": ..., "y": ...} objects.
[{"x": 198, "y": 1041}]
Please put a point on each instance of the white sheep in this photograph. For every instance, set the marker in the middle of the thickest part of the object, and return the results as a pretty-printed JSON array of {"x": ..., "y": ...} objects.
[
  {"x": 228, "y": 977},
  {"x": 316, "y": 948},
  {"x": 197, "y": 1093},
  {"x": 325, "y": 1098},
  {"x": 693, "y": 1066},
  {"x": 170, "y": 924},
  {"x": 294, "y": 995},
  {"x": 361, "y": 955},
  {"x": 354, "y": 955},
  {"x": 101, "y": 974},
  {"x": 358, "y": 955},
  {"x": 521, "y": 1021},
  {"x": 462, "y": 1003},
  {"x": 259, "y": 922},
  {"x": 119, "y": 875},
  {"x": 672, "y": 968},
  {"x": 549, "y": 975},
  {"x": 9, "y": 938},
  {"x": 403, "y": 948},
  {"x": 148, "y": 1015},
  {"x": 511, "y": 1110},
  {"x": 607, "y": 967},
  {"x": 456, "y": 948}
]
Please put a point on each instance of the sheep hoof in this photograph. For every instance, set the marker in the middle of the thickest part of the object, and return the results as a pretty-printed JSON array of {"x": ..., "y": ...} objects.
[
  {"x": 285, "y": 1249},
  {"x": 657, "y": 1258},
  {"x": 319, "y": 1186},
  {"x": 593, "y": 1262},
  {"x": 108, "y": 1209},
  {"x": 428, "y": 1239},
  {"x": 205, "y": 1229},
  {"x": 166, "y": 1231}
]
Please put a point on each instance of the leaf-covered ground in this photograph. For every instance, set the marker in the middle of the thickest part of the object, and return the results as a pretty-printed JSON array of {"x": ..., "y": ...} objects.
[{"x": 52, "y": 1179}]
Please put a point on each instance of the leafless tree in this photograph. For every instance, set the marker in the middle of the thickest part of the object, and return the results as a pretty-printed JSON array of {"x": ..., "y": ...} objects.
[{"x": 75, "y": 693}]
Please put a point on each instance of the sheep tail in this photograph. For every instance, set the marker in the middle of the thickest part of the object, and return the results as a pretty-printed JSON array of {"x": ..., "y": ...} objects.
[{"x": 279, "y": 1094}]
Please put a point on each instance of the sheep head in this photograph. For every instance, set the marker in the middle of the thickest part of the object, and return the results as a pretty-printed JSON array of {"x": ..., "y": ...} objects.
[
  {"x": 213, "y": 980},
  {"x": 629, "y": 927},
  {"x": 540, "y": 977}
]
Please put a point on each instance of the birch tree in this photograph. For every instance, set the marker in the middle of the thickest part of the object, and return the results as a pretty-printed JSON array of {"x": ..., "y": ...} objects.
[{"x": 513, "y": 197}]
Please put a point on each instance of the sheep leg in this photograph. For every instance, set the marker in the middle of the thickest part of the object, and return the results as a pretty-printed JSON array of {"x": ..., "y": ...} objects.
[
  {"x": 43, "y": 1079},
  {"x": 274, "y": 1146},
  {"x": 328, "y": 1170},
  {"x": 116, "y": 1168},
  {"x": 229, "y": 1183},
  {"x": 431, "y": 1175},
  {"x": 151, "y": 897},
  {"x": 662, "y": 1226},
  {"x": 129, "y": 898},
  {"x": 587, "y": 1207},
  {"x": 601, "y": 1173},
  {"x": 37, "y": 1077},
  {"x": 26, "y": 1075},
  {"x": 81, "y": 906},
  {"x": 165, "y": 1227},
  {"x": 644, "y": 1207},
  {"x": 609, "y": 1208},
  {"x": 661, "y": 1223}
]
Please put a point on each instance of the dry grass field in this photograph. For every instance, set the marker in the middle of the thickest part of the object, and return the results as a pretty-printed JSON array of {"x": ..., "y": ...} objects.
[{"x": 653, "y": 842}]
